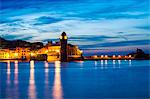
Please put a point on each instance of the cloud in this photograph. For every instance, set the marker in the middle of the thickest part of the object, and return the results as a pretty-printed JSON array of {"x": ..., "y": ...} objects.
[
  {"x": 8, "y": 21},
  {"x": 117, "y": 44},
  {"x": 87, "y": 22},
  {"x": 146, "y": 27},
  {"x": 46, "y": 20},
  {"x": 85, "y": 38},
  {"x": 18, "y": 37}
]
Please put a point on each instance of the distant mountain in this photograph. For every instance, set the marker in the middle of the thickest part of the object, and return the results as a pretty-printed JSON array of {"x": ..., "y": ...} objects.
[{"x": 10, "y": 44}]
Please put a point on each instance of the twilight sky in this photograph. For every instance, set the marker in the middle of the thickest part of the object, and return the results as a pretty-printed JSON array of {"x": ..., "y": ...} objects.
[{"x": 88, "y": 23}]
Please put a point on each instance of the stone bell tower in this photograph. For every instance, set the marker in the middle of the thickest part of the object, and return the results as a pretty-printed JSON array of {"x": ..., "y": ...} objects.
[{"x": 63, "y": 50}]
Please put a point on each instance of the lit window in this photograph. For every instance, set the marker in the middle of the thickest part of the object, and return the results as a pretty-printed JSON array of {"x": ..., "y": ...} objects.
[
  {"x": 16, "y": 54},
  {"x": 102, "y": 56},
  {"x": 57, "y": 51},
  {"x": 119, "y": 56},
  {"x": 65, "y": 37},
  {"x": 60, "y": 37},
  {"x": 106, "y": 56},
  {"x": 95, "y": 56},
  {"x": 32, "y": 54},
  {"x": 81, "y": 51},
  {"x": 114, "y": 56},
  {"x": 130, "y": 56}
]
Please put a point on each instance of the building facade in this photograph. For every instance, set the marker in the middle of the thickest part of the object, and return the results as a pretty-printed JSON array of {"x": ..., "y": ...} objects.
[{"x": 59, "y": 51}]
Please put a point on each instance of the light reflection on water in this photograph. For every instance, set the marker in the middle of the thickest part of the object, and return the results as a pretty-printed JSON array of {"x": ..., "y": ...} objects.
[
  {"x": 130, "y": 63},
  {"x": 46, "y": 91},
  {"x": 16, "y": 95},
  {"x": 106, "y": 63},
  {"x": 46, "y": 73},
  {"x": 46, "y": 68},
  {"x": 57, "y": 88},
  {"x": 53, "y": 85},
  {"x": 16, "y": 72},
  {"x": 119, "y": 62},
  {"x": 8, "y": 72},
  {"x": 8, "y": 67},
  {"x": 102, "y": 64},
  {"x": 32, "y": 87},
  {"x": 95, "y": 63},
  {"x": 114, "y": 63}
]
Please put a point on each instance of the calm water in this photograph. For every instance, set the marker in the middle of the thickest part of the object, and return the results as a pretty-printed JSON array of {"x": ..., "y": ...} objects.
[{"x": 75, "y": 80}]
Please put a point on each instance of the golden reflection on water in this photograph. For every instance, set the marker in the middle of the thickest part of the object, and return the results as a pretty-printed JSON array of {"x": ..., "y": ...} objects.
[
  {"x": 47, "y": 89},
  {"x": 8, "y": 77},
  {"x": 16, "y": 72},
  {"x": 16, "y": 94},
  {"x": 32, "y": 88},
  {"x": 46, "y": 67},
  {"x": 57, "y": 88},
  {"x": 8, "y": 67},
  {"x": 46, "y": 73},
  {"x": 8, "y": 72}
]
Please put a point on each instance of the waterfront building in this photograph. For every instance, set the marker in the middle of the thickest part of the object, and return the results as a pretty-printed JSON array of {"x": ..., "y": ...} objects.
[
  {"x": 4, "y": 53},
  {"x": 17, "y": 53},
  {"x": 59, "y": 51},
  {"x": 22, "y": 53}
]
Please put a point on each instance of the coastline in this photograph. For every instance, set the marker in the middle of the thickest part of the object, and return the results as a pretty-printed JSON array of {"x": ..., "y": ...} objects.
[{"x": 20, "y": 60}]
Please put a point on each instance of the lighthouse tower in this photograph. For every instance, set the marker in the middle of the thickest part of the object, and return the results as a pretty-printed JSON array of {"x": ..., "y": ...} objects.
[{"x": 63, "y": 50}]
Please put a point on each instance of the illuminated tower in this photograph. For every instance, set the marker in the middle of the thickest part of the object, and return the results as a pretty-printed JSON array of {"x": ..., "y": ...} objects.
[{"x": 63, "y": 44}]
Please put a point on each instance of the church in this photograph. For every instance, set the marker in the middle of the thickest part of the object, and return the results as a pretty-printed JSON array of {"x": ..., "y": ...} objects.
[{"x": 61, "y": 51}]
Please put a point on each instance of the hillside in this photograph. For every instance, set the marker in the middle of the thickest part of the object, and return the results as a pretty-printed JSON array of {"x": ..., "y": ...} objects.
[{"x": 18, "y": 43}]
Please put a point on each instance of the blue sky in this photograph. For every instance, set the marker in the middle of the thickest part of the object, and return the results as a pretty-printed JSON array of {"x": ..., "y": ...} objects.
[{"x": 88, "y": 23}]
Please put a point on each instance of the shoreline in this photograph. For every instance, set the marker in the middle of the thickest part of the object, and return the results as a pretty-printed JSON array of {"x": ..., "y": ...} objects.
[{"x": 19, "y": 60}]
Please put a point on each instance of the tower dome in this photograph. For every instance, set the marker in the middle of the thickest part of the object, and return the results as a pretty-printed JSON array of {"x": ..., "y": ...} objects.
[{"x": 63, "y": 34}]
